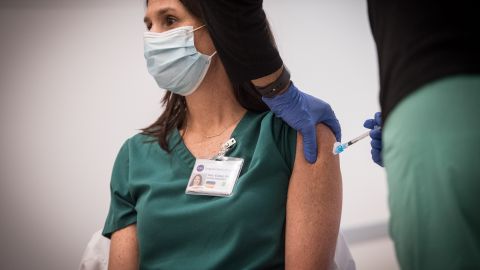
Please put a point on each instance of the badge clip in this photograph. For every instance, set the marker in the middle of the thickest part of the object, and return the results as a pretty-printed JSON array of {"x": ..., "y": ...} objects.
[{"x": 225, "y": 148}]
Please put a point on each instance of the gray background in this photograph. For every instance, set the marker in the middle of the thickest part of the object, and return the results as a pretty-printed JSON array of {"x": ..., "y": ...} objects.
[{"x": 74, "y": 86}]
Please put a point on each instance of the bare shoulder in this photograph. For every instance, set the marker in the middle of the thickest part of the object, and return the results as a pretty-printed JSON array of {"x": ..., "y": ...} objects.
[
  {"x": 325, "y": 141},
  {"x": 324, "y": 133}
]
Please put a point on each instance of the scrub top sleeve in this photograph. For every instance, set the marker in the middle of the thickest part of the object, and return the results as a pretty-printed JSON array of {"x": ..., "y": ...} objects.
[
  {"x": 122, "y": 205},
  {"x": 286, "y": 140},
  {"x": 239, "y": 30}
]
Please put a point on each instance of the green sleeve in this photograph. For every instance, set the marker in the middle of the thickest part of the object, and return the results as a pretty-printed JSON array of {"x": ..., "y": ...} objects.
[
  {"x": 286, "y": 140},
  {"x": 122, "y": 205}
]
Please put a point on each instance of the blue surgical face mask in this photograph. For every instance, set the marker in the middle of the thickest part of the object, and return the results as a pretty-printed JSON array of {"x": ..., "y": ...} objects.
[{"x": 173, "y": 60}]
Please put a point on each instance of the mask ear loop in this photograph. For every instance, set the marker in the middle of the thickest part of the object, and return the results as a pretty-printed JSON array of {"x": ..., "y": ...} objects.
[{"x": 200, "y": 27}]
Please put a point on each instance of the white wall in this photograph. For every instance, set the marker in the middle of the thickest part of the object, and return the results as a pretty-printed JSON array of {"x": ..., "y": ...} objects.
[{"x": 73, "y": 87}]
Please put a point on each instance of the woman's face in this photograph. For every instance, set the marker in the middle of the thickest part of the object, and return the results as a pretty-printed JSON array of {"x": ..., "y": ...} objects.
[
  {"x": 164, "y": 15},
  {"x": 197, "y": 180}
]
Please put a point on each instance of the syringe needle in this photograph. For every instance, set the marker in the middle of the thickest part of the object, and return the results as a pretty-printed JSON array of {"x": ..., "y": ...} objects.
[
  {"x": 340, "y": 147},
  {"x": 352, "y": 141}
]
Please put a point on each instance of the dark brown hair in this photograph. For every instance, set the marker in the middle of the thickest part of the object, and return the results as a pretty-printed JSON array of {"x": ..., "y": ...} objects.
[{"x": 175, "y": 105}]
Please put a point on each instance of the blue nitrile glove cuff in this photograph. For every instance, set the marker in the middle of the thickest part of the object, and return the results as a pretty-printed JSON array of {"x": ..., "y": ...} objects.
[
  {"x": 302, "y": 112},
  {"x": 376, "y": 135}
]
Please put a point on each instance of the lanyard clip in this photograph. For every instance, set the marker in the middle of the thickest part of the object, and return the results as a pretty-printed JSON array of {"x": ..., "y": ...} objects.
[{"x": 225, "y": 148}]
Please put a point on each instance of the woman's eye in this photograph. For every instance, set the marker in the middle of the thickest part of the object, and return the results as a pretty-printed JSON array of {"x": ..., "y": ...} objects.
[
  {"x": 149, "y": 26},
  {"x": 171, "y": 20}
]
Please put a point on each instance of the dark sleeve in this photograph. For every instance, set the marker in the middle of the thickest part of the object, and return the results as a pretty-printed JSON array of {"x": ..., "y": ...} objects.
[{"x": 239, "y": 30}]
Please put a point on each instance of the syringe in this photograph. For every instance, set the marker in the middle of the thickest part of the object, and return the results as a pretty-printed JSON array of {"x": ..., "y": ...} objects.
[{"x": 340, "y": 147}]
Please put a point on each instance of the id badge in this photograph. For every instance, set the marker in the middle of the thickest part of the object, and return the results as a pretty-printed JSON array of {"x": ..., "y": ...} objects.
[{"x": 214, "y": 177}]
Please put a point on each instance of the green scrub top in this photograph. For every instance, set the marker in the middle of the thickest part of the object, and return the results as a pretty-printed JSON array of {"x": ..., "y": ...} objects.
[{"x": 180, "y": 231}]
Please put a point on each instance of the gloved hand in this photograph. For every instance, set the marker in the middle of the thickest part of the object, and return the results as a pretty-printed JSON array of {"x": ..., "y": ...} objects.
[
  {"x": 302, "y": 112},
  {"x": 376, "y": 135}
]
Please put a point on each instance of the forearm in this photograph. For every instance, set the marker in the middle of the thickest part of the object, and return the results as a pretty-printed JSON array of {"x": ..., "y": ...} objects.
[{"x": 124, "y": 249}]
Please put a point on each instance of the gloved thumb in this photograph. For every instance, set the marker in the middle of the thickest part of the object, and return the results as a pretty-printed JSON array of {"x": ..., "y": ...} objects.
[
  {"x": 378, "y": 118},
  {"x": 309, "y": 134}
]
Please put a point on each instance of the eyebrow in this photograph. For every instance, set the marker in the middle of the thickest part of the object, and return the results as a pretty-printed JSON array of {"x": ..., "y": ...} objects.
[{"x": 158, "y": 13}]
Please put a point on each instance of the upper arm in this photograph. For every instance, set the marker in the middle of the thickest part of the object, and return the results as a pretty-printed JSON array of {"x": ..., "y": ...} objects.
[
  {"x": 314, "y": 206},
  {"x": 124, "y": 249}
]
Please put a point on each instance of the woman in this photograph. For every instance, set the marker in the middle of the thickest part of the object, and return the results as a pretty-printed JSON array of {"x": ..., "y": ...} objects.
[
  {"x": 282, "y": 213},
  {"x": 196, "y": 181}
]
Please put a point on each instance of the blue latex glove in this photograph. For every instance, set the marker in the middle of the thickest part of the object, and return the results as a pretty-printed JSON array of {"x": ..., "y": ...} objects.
[
  {"x": 302, "y": 112},
  {"x": 376, "y": 135}
]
